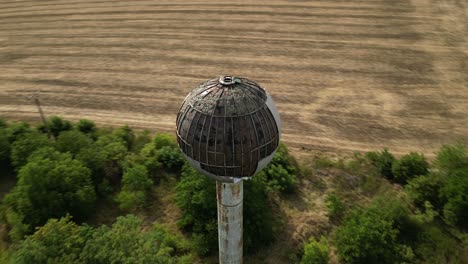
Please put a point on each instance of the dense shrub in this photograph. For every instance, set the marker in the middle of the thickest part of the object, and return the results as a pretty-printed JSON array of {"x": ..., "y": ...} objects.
[
  {"x": 377, "y": 234},
  {"x": 73, "y": 142},
  {"x": 316, "y": 252},
  {"x": 56, "y": 125},
  {"x": 16, "y": 130},
  {"x": 135, "y": 188},
  {"x": 452, "y": 157},
  {"x": 25, "y": 145},
  {"x": 50, "y": 185},
  {"x": 163, "y": 150},
  {"x": 424, "y": 189},
  {"x": 5, "y": 149},
  {"x": 58, "y": 241},
  {"x": 86, "y": 127},
  {"x": 455, "y": 195},
  {"x": 62, "y": 241},
  {"x": 335, "y": 207},
  {"x": 126, "y": 135},
  {"x": 164, "y": 140},
  {"x": 409, "y": 166},
  {"x": 280, "y": 174},
  {"x": 383, "y": 161},
  {"x": 171, "y": 158}
]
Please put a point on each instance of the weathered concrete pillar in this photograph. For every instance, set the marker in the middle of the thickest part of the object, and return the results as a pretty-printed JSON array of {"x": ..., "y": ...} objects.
[{"x": 230, "y": 199}]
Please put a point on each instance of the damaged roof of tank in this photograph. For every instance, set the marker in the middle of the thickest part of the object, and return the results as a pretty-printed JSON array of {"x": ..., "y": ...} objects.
[{"x": 227, "y": 96}]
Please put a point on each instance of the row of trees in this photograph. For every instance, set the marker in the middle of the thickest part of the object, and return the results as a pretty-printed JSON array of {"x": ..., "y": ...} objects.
[{"x": 60, "y": 180}]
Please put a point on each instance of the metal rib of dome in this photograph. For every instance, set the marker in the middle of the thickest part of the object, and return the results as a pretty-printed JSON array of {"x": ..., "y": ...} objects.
[{"x": 227, "y": 126}]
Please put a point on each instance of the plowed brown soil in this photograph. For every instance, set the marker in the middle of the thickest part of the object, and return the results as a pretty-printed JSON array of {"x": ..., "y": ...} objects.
[{"x": 346, "y": 74}]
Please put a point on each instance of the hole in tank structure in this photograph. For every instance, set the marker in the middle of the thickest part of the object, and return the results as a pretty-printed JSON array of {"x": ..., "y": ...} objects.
[{"x": 226, "y": 80}]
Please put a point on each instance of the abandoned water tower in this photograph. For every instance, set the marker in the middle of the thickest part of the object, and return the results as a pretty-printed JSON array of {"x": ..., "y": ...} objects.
[{"x": 228, "y": 128}]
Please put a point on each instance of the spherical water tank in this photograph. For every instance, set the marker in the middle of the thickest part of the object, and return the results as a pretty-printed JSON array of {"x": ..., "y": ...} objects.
[{"x": 228, "y": 128}]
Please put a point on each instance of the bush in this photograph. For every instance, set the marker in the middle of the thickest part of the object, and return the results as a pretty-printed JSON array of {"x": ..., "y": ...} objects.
[
  {"x": 58, "y": 241},
  {"x": 126, "y": 135},
  {"x": 126, "y": 243},
  {"x": 455, "y": 195},
  {"x": 335, "y": 207},
  {"x": 410, "y": 166},
  {"x": 452, "y": 157},
  {"x": 383, "y": 161},
  {"x": 316, "y": 252},
  {"x": 164, "y": 140},
  {"x": 73, "y": 142},
  {"x": 135, "y": 188},
  {"x": 50, "y": 185},
  {"x": 280, "y": 174},
  {"x": 5, "y": 149},
  {"x": 424, "y": 189},
  {"x": 16, "y": 130},
  {"x": 377, "y": 234},
  {"x": 56, "y": 125},
  {"x": 171, "y": 158},
  {"x": 86, "y": 127},
  {"x": 25, "y": 145}
]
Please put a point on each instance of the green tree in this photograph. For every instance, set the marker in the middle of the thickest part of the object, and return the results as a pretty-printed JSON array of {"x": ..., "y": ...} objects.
[
  {"x": 126, "y": 243},
  {"x": 56, "y": 125},
  {"x": 383, "y": 161},
  {"x": 5, "y": 149},
  {"x": 455, "y": 193},
  {"x": 164, "y": 140},
  {"x": 126, "y": 135},
  {"x": 377, "y": 234},
  {"x": 51, "y": 185},
  {"x": 25, "y": 145},
  {"x": 86, "y": 127},
  {"x": 171, "y": 158},
  {"x": 452, "y": 157},
  {"x": 409, "y": 166},
  {"x": 58, "y": 241},
  {"x": 426, "y": 188},
  {"x": 280, "y": 174},
  {"x": 73, "y": 141},
  {"x": 16, "y": 130},
  {"x": 135, "y": 188},
  {"x": 316, "y": 252},
  {"x": 335, "y": 207}
]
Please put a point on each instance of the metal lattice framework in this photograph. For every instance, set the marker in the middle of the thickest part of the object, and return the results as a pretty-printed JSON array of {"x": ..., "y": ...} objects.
[{"x": 227, "y": 126}]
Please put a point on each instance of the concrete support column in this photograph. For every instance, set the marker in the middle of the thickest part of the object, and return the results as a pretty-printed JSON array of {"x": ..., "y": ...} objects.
[{"x": 230, "y": 198}]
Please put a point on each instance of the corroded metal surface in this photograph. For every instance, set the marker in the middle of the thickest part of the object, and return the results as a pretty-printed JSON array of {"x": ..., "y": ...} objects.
[
  {"x": 230, "y": 203},
  {"x": 227, "y": 126}
]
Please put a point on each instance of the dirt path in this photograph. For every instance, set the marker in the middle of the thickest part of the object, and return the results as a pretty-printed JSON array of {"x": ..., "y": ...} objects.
[{"x": 346, "y": 75}]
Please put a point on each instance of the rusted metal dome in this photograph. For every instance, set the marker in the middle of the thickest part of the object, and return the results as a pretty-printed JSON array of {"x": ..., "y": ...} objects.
[{"x": 228, "y": 128}]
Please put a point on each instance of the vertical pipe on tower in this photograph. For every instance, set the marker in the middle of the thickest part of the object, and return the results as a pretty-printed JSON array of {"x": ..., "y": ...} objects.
[{"x": 230, "y": 203}]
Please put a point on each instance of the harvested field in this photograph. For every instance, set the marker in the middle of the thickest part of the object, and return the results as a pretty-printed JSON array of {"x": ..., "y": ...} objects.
[{"x": 346, "y": 75}]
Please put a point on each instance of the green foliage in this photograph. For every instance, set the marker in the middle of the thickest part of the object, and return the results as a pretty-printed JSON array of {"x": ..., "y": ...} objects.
[
  {"x": 452, "y": 157},
  {"x": 316, "y": 252},
  {"x": 259, "y": 222},
  {"x": 16, "y": 130},
  {"x": 62, "y": 241},
  {"x": 376, "y": 234},
  {"x": 335, "y": 207},
  {"x": 383, "y": 161},
  {"x": 126, "y": 243},
  {"x": 86, "y": 127},
  {"x": 126, "y": 135},
  {"x": 94, "y": 158},
  {"x": 135, "y": 188},
  {"x": 141, "y": 139},
  {"x": 51, "y": 184},
  {"x": 409, "y": 166},
  {"x": 5, "y": 150},
  {"x": 455, "y": 195},
  {"x": 25, "y": 145},
  {"x": 72, "y": 142},
  {"x": 196, "y": 197},
  {"x": 280, "y": 174},
  {"x": 58, "y": 241},
  {"x": 3, "y": 123},
  {"x": 56, "y": 125},
  {"x": 424, "y": 189},
  {"x": 164, "y": 140},
  {"x": 170, "y": 158}
]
